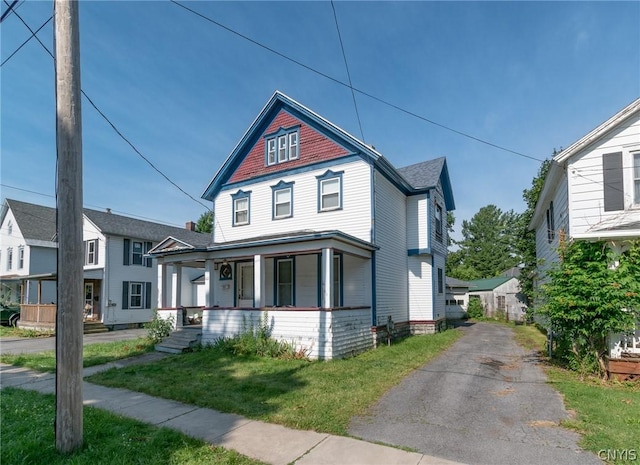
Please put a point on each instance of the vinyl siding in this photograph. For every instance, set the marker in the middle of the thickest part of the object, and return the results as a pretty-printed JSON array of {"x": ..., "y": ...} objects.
[
  {"x": 391, "y": 259},
  {"x": 586, "y": 181},
  {"x": 420, "y": 288},
  {"x": 354, "y": 218},
  {"x": 546, "y": 253},
  {"x": 417, "y": 222}
]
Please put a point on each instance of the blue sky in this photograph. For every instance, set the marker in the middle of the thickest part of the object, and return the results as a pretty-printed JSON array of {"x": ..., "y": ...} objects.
[{"x": 528, "y": 76}]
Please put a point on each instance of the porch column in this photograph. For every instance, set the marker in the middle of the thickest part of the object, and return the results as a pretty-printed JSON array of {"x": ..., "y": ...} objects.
[
  {"x": 327, "y": 278},
  {"x": 258, "y": 281},
  {"x": 209, "y": 274},
  {"x": 162, "y": 283},
  {"x": 176, "y": 286}
]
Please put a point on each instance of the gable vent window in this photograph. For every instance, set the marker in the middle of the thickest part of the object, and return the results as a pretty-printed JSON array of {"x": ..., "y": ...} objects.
[{"x": 282, "y": 146}]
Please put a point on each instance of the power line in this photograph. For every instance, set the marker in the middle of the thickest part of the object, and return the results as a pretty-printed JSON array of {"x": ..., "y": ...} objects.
[
  {"x": 33, "y": 34},
  {"x": 337, "y": 81},
  {"x": 8, "y": 11},
  {"x": 346, "y": 65},
  {"x": 135, "y": 149}
]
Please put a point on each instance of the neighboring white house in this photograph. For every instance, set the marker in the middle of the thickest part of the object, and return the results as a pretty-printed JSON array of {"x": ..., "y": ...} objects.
[
  {"x": 500, "y": 296},
  {"x": 321, "y": 231},
  {"x": 592, "y": 192},
  {"x": 457, "y": 298},
  {"x": 120, "y": 281}
]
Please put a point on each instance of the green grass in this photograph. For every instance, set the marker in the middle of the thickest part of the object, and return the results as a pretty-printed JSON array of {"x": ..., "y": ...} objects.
[
  {"x": 320, "y": 396},
  {"x": 28, "y": 436},
  {"x": 8, "y": 331},
  {"x": 93, "y": 354},
  {"x": 607, "y": 414}
]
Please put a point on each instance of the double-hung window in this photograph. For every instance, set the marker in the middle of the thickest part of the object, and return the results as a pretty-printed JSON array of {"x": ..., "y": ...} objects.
[
  {"x": 438, "y": 223},
  {"x": 136, "y": 252},
  {"x": 282, "y": 200},
  {"x": 91, "y": 252},
  {"x": 136, "y": 295},
  {"x": 284, "y": 282},
  {"x": 330, "y": 191},
  {"x": 9, "y": 259},
  {"x": 636, "y": 178},
  {"x": 241, "y": 207},
  {"x": 282, "y": 146},
  {"x": 20, "y": 257}
]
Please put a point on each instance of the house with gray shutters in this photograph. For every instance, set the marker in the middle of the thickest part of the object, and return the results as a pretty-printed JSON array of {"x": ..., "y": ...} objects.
[
  {"x": 592, "y": 192},
  {"x": 120, "y": 280}
]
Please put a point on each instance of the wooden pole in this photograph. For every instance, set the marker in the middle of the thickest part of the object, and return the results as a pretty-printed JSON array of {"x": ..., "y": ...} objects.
[{"x": 69, "y": 327}]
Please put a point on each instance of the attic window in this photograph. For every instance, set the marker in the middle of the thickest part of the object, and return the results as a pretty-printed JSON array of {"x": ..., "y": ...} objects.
[
  {"x": 10, "y": 228},
  {"x": 438, "y": 223},
  {"x": 282, "y": 146}
]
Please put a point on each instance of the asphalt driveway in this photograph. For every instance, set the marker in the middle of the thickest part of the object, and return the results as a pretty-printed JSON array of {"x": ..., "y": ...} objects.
[{"x": 483, "y": 401}]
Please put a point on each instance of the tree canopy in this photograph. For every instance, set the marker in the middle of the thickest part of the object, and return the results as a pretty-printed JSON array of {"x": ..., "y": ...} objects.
[{"x": 205, "y": 222}]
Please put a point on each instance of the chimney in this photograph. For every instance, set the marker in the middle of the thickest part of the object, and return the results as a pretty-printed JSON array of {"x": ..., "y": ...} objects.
[
  {"x": 190, "y": 226},
  {"x": 108, "y": 210}
]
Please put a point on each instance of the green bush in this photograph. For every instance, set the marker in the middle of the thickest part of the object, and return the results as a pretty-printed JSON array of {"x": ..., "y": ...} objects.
[
  {"x": 159, "y": 328},
  {"x": 474, "y": 309}
]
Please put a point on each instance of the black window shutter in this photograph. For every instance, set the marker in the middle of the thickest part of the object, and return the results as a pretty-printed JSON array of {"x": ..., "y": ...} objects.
[
  {"x": 613, "y": 181},
  {"x": 95, "y": 251},
  {"x": 86, "y": 252},
  {"x": 147, "y": 247},
  {"x": 147, "y": 295},
  {"x": 125, "y": 295},
  {"x": 127, "y": 251}
]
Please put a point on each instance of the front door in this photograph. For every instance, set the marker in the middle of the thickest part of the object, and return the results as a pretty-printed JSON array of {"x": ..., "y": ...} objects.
[
  {"x": 244, "y": 274},
  {"x": 88, "y": 300}
]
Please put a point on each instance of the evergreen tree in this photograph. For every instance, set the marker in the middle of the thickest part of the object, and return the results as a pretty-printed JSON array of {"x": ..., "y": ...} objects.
[{"x": 205, "y": 222}]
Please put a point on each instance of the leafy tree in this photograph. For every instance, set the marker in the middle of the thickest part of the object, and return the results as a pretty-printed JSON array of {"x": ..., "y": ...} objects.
[
  {"x": 488, "y": 246},
  {"x": 205, "y": 222},
  {"x": 587, "y": 298},
  {"x": 451, "y": 220},
  {"x": 526, "y": 240}
]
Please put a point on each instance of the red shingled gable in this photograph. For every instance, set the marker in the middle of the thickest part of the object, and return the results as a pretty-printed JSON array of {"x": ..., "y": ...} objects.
[{"x": 314, "y": 147}]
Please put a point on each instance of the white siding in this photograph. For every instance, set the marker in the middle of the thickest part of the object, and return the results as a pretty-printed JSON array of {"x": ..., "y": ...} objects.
[
  {"x": 439, "y": 298},
  {"x": 323, "y": 335},
  {"x": 546, "y": 252},
  {"x": 586, "y": 181},
  {"x": 354, "y": 218},
  {"x": 356, "y": 281},
  {"x": 306, "y": 281},
  {"x": 420, "y": 288},
  {"x": 417, "y": 222},
  {"x": 391, "y": 259}
]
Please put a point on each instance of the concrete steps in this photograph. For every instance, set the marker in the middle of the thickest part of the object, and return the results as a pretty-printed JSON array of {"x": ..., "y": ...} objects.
[
  {"x": 181, "y": 340},
  {"x": 94, "y": 327}
]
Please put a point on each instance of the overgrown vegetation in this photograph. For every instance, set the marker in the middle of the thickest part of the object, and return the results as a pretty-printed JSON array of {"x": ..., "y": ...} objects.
[
  {"x": 593, "y": 291},
  {"x": 313, "y": 395},
  {"x": 605, "y": 413},
  {"x": 28, "y": 437},
  {"x": 92, "y": 354},
  {"x": 257, "y": 340},
  {"x": 159, "y": 328},
  {"x": 474, "y": 308}
]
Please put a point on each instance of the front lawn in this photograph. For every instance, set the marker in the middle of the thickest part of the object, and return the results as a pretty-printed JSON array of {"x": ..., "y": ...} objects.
[
  {"x": 92, "y": 354},
  {"x": 320, "y": 396},
  {"x": 28, "y": 436},
  {"x": 607, "y": 414}
]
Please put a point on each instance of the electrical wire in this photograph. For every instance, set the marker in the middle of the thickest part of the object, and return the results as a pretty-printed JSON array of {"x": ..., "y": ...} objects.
[
  {"x": 337, "y": 81},
  {"x": 33, "y": 34},
  {"x": 346, "y": 65},
  {"x": 8, "y": 10}
]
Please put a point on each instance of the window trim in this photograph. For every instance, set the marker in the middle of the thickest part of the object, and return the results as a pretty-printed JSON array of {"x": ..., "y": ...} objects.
[
  {"x": 9, "y": 258},
  {"x": 278, "y": 145},
  {"x": 88, "y": 253},
  {"x": 281, "y": 186},
  {"x": 240, "y": 195},
  {"x": 551, "y": 223},
  {"x": 635, "y": 178},
  {"x": 277, "y": 284},
  {"x": 21, "y": 257},
  {"x": 134, "y": 254},
  {"x": 323, "y": 178},
  {"x": 131, "y": 294},
  {"x": 438, "y": 222}
]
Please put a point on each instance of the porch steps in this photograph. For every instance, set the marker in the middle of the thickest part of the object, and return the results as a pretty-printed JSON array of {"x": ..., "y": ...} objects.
[
  {"x": 94, "y": 327},
  {"x": 181, "y": 340}
]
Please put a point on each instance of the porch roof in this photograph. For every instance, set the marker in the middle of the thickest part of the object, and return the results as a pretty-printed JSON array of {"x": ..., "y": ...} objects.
[{"x": 273, "y": 240}]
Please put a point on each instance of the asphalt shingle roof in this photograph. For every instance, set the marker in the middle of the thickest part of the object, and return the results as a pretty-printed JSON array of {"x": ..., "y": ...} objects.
[
  {"x": 424, "y": 174},
  {"x": 39, "y": 222}
]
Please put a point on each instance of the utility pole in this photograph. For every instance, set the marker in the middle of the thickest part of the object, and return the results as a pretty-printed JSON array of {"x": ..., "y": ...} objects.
[{"x": 69, "y": 325}]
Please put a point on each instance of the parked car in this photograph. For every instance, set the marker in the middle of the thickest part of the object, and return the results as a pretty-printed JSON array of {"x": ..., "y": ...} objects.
[{"x": 9, "y": 314}]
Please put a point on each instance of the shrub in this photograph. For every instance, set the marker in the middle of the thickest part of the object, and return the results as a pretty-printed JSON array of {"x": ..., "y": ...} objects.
[
  {"x": 159, "y": 328},
  {"x": 474, "y": 310}
]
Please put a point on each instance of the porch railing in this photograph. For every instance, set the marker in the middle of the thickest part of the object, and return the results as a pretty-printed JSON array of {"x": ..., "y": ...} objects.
[
  {"x": 38, "y": 313},
  {"x": 621, "y": 345}
]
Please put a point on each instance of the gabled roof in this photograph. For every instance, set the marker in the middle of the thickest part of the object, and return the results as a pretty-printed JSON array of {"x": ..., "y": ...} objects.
[
  {"x": 453, "y": 282},
  {"x": 488, "y": 284},
  {"x": 424, "y": 176},
  {"x": 171, "y": 244},
  {"x": 427, "y": 174},
  {"x": 559, "y": 160},
  {"x": 36, "y": 222},
  {"x": 117, "y": 225}
]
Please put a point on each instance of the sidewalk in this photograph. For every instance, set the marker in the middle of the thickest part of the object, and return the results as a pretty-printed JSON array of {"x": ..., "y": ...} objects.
[{"x": 267, "y": 442}]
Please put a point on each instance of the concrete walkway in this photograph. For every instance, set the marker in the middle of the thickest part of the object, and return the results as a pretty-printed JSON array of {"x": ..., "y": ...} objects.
[{"x": 267, "y": 442}]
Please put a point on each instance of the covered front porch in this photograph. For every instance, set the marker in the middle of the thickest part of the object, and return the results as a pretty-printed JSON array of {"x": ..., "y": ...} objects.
[{"x": 316, "y": 289}]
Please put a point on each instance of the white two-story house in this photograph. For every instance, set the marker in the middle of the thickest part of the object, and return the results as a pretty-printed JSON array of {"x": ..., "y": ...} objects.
[
  {"x": 120, "y": 280},
  {"x": 592, "y": 192},
  {"x": 323, "y": 233}
]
